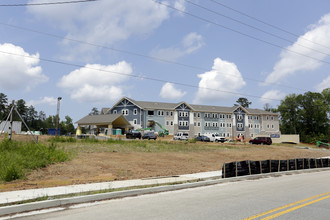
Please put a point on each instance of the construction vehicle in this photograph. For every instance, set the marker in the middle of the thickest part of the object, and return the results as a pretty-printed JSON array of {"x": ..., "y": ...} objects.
[{"x": 151, "y": 124}]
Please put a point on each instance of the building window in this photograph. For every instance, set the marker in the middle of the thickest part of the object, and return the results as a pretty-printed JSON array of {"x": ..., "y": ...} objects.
[
  {"x": 239, "y": 125},
  {"x": 171, "y": 113},
  {"x": 198, "y": 114},
  {"x": 183, "y": 123},
  {"x": 167, "y": 123},
  {"x": 183, "y": 114},
  {"x": 150, "y": 112},
  {"x": 228, "y": 116},
  {"x": 160, "y": 113},
  {"x": 207, "y": 115},
  {"x": 198, "y": 124},
  {"x": 256, "y": 117},
  {"x": 272, "y": 118},
  {"x": 239, "y": 117},
  {"x": 272, "y": 126},
  {"x": 135, "y": 111},
  {"x": 256, "y": 126},
  {"x": 114, "y": 112},
  {"x": 135, "y": 121},
  {"x": 215, "y": 115},
  {"x": 250, "y": 125},
  {"x": 194, "y": 123},
  {"x": 215, "y": 124},
  {"x": 124, "y": 111}
]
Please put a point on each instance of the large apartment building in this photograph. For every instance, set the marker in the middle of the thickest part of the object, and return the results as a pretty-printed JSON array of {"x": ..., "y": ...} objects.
[{"x": 194, "y": 119}]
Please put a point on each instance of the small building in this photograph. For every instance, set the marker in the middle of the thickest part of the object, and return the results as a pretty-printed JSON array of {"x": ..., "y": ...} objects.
[
  {"x": 109, "y": 124},
  {"x": 16, "y": 127}
]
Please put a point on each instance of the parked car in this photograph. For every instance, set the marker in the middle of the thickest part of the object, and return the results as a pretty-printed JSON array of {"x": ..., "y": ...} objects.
[
  {"x": 215, "y": 137},
  {"x": 203, "y": 138},
  {"x": 149, "y": 135},
  {"x": 133, "y": 134},
  {"x": 261, "y": 140},
  {"x": 181, "y": 136}
]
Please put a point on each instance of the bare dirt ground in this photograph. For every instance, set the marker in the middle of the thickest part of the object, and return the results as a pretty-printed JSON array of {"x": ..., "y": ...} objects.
[{"x": 89, "y": 167}]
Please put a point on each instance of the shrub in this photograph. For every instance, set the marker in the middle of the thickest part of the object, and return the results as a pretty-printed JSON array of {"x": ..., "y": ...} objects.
[{"x": 16, "y": 158}]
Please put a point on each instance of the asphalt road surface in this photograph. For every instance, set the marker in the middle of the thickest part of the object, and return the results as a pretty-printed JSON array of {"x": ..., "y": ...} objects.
[{"x": 298, "y": 196}]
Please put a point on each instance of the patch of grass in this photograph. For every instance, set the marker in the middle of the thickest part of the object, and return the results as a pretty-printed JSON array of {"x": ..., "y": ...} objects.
[
  {"x": 62, "y": 139},
  {"x": 17, "y": 158}
]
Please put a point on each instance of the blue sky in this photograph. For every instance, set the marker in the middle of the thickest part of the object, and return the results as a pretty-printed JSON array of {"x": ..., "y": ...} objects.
[{"x": 203, "y": 52}]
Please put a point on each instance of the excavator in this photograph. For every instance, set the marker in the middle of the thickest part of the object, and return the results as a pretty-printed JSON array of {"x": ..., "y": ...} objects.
[{"x": 151, "y": 124}]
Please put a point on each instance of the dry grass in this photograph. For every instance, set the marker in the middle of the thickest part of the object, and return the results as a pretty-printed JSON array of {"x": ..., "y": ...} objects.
[{"x": 98, "y": 162}]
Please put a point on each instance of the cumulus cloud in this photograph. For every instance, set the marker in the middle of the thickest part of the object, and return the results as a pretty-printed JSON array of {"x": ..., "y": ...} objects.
[
  {"x": 190, "y": 43},
  {"x": 290, "y": 62},
  {"x": 168, "y": 91},
  {"x": 43, "y": 101},
  {"x": 272, "y": 95},
  {"x": 224, "y": 76},
  {"x": 19, "y": 69},
  {"x": 323, "y": 85},
  {"x": 103, "y": 22},
  {"x": 96, "y": 83}
]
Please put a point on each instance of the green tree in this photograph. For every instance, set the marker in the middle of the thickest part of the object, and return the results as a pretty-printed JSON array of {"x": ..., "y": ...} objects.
[
  {"x": 3, "y": 106},
  {"x": 288, "y": 110},
  {"x": 243, "y": 102},
  {"x": 22, "y": 110},
  {"x": 94, "y": 111}
]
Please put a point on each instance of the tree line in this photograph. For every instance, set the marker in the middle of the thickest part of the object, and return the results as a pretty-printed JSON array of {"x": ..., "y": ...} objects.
[
  {"x": 305, "y": 114},
  {"x": 36, "y": 121}
]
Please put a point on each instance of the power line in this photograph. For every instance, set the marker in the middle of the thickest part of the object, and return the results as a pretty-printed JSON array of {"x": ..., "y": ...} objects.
[
  {"x": 265, "y": 23},
  {"x": 137, "y": 54},
  {"x": 135, "y": 76},
  {"x": 46, "y": 3},
  {"x": 239, "y": 32},
  {"x": 253, "y": 27}
]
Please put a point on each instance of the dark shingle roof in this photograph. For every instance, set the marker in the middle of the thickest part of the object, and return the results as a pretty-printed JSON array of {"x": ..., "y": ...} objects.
[{"x": 146, "y": 105}]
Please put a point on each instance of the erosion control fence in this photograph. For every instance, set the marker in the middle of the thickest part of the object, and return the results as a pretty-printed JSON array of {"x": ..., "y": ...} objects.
[{"x": 248, "y": 167}]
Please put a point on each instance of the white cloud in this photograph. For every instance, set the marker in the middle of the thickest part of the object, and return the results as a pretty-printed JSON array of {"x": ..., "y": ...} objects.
[
  {"x": 168, "y": 91},
  {"x": 224, "y": 76},
  {"x": 180, "y": 5},
  {"x": 272, "y": 96},
  {"x": 190, "y": 43},
  {"x": 43, "y": 101},
  {"x": 96, "y": 83},
  {"x": 19, "y": 69},
  {"x": 103, "y": 22},
  {"x": 323, "y": 85},
  {"x": 290, "y": 62}
]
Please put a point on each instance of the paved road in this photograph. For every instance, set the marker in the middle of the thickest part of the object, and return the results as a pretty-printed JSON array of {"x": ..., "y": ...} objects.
[{"x": 299, "y": 196}]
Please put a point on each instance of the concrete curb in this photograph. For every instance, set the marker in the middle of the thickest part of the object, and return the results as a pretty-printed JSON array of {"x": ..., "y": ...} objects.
[{"x": 15, "y": 209}]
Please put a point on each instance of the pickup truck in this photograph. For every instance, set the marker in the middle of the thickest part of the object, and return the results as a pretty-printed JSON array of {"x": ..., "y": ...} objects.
[
  {"x": 215, "y": 138},
  {"x": 181, "y": 136}
]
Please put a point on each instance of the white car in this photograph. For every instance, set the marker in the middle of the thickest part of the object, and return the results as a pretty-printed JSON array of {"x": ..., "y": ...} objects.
[
  {"x": 181, "y": 136},
  {"x": 215, "y": 138}
]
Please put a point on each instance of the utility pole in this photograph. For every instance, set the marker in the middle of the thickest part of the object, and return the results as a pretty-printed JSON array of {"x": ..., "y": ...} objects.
[
  {"x": 58, "y": 113},
  {"x": 10, "y": 133}
]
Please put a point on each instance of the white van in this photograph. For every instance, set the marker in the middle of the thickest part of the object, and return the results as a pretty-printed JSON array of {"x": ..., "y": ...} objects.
[{"x": 181, "y": 136}]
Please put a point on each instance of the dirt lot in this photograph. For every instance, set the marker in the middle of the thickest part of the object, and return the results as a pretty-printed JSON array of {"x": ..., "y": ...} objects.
[{"x": 103, "y": 165}]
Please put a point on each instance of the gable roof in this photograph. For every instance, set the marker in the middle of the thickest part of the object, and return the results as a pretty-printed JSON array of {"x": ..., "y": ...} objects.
[
  {"x": 147, "y": 105},
  {"x": 100, "y": 119}
]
